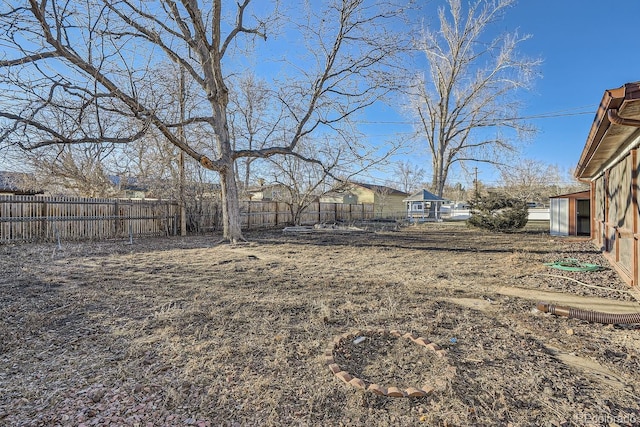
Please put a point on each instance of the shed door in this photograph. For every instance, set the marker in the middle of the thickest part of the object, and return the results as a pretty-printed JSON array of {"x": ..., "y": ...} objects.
[
  {"x": 583, "y": 217},
  {"x": 559, "y": 217}
]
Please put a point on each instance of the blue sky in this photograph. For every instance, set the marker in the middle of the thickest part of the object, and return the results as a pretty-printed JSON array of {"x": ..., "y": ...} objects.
[{"x": 586, "y": 46}]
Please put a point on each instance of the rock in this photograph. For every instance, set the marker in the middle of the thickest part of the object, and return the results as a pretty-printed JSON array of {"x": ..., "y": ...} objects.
[{"x": 97, "y": 395}]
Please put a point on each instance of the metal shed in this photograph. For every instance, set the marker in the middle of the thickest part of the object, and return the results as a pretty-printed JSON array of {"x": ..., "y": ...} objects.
[{"x": 570, "y": 214}]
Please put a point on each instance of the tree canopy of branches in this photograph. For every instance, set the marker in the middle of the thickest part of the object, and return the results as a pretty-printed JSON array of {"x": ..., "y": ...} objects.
[
  {"x": 531, "y": 180},
  {"x": 301, "y": 183},
  {"x": 466, "y": 101},
  {"x": 407, "y": 176},
  {"x": 73, "y": 170},
  {"x": 82, "y": 72},
  {"x": 251, "y": 124}
]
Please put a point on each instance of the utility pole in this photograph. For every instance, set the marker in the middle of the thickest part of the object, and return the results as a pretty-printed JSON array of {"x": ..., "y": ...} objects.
[{"x": 475, "y": 181}]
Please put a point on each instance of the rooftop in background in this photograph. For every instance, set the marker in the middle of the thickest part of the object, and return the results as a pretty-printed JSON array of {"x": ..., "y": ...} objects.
[
  {"x": 381, "y": 189},
  {"x": 16, "y": 183},
  {"x": 128, "y": 183},
  {"x": 424, "y": 196}
]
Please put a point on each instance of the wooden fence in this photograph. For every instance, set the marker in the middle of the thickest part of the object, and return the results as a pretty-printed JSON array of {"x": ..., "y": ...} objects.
[
  {"x": 258, "y": 214},
  {"x": 39, "y": 218},
  {"x": 204, "y": 217}
]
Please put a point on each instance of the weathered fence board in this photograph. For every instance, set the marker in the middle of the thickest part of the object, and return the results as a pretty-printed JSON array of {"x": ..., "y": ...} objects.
[
  {"x": 43, "y": 218},
  {"x": 36, "y": 218}
]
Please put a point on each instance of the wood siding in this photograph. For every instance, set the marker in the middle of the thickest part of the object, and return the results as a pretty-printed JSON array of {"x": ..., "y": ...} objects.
[{"x": 615, "y": 220}]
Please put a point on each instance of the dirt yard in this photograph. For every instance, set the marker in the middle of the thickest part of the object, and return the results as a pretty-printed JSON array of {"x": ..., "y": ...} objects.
[{"x": 181, "y": 331}]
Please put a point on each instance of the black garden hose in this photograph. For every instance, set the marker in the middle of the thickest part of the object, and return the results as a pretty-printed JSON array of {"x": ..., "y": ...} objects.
[{"x": 591, "y": 316}]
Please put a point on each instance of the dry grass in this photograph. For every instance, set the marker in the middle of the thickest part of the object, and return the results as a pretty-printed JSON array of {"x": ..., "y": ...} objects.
[{"x": 182, "y": 332}]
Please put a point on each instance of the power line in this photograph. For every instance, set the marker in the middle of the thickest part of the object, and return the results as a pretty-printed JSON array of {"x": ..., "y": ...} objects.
[{"x": 550, "y": 115}]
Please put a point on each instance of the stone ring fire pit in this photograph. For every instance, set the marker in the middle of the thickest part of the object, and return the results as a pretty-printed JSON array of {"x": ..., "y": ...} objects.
[{"x": 390, "y": 391}]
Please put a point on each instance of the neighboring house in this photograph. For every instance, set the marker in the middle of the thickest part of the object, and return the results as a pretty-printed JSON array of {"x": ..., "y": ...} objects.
[
  {"x": 570, "y": 214},
  {"x": 424, "y": 206},
  {"x": 16, "y": 183},
  {"x": 609, "y": 163},
  {"x": 267, "y": 193},
  {"x": 387, "y": 202},
  {"x": 140, "y": 188},
  {"x": 129, "y": 187}
]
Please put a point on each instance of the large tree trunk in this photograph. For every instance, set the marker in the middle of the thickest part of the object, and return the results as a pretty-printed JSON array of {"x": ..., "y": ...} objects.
[
  {"x": 437, "y": 183},
  {"x": 230, "y": 206}
]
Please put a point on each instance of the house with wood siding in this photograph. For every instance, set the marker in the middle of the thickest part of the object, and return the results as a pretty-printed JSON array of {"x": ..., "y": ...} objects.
[
  {"x": 610, "y": 162},
  {"x": 387, "y": 201}
]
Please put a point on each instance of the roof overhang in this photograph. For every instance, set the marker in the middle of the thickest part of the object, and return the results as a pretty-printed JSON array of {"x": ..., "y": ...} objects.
[
  {"x": 575, "y": 195},
  {"x": 614, "y": 129},
  {"x": 423, "y": 196}
]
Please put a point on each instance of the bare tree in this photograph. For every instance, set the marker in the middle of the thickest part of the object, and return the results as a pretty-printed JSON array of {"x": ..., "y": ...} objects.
[
  {"x": 77, "y": 170},
  {"x": 302, "y": 183},
  {"x": 18, "y": 182},
  {"x": 155, "y": 164},
  {"x": 531, "y": 180},
  {"x": 466, "y": 102},
  {"x": 251, "y": 124},
  {"x": 96, "y": 169},
  {"x": 93, "y": 59},
  {"x": 382, "y": 200},
  {"x": 456, "y": 192},
  {"x": 407, "y": 176}
]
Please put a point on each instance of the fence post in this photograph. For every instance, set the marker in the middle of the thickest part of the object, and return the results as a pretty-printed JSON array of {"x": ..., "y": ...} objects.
[
  {"x": 116, "y": 214},
  {"x": 57, "y": 236},
  {"x": 175, "y": 221},
  {"x": 248, "y": 215},
  {"x": 43, "y": 221}
]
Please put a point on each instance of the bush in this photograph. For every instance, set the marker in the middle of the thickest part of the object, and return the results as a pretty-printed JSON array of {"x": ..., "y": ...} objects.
[{"x": 497, "y": 212}]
